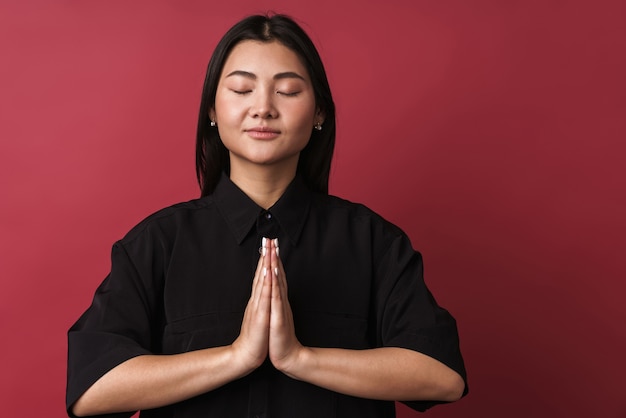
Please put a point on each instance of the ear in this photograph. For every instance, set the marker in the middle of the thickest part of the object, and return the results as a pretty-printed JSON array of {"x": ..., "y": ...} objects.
[
  {"x": 320, "y": 116},
  {"x": 212, "y": 113}
]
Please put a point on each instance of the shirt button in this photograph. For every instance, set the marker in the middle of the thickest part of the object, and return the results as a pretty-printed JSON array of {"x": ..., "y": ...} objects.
[{"x": 268, "y": 216}]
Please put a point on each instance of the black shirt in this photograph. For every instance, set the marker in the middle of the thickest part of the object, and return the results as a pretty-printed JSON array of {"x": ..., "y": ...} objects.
[{"x": 181, "y": 279}]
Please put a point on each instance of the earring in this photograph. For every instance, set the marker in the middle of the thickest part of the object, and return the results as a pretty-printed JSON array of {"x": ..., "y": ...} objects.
[
  {"x": 213, "y": 124},
  {"x": 318, "y": 126}
]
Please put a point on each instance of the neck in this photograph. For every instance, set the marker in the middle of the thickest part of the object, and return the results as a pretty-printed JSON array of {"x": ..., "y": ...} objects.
[{"x": 264, "y": 185}]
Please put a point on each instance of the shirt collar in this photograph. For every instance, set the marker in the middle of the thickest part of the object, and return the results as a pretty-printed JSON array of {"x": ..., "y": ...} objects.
[
  {"x": 241, "y": 212},
  {"x": 292, "y": 209}
]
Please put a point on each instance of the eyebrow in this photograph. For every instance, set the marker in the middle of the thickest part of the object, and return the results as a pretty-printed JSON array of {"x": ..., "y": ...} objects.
[{"x": 278, "y": 76}]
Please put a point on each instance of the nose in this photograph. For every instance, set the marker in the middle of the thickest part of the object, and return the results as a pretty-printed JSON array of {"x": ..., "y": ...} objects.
[{"x": 262, "y": 105}]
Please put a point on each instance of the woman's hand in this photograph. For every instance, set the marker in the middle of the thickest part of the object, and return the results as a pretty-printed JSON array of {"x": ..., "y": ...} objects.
[
  {"x": 284, "y": 347},
  {"x": 152, "y": 381},
  {"x": 388, "y": 373},
  {"x": 252, "y": 345},
  {"x": 267, "y": 326}
]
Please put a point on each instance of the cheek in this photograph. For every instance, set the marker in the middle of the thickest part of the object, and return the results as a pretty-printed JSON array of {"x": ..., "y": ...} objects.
[
  {"x": 226, "y": 109},
  {"x": 303, "y": 117}
]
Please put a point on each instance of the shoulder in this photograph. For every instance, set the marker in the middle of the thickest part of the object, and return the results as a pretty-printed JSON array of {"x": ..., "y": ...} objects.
[
  {"x": 335, "y": 204},
  {"x": 356, "y": 214},
  {"x": 172, "y": 218}
]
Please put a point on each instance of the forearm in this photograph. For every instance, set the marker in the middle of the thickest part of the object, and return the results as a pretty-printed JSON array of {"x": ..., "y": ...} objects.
[
  {"x": 384, "y": 373},
  {"x": 152, "y": 381}
]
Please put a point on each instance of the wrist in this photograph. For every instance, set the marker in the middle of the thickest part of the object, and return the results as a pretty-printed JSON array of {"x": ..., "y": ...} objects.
[
  {"x": 242, "y": 361},
  {"x": 297, "y": 365}
]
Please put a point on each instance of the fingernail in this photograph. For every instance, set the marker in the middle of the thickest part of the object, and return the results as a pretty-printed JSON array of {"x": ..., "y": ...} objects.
[
  {"x": 277, "y": 252},
  {"x": 264, "y": 271},
  {"x": 276, "y": 271},
  {"x": 276, "y": 242},
  {"x": 263, "y": 246}
]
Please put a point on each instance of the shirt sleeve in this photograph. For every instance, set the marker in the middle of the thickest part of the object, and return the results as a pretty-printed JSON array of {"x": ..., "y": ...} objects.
[
  {"x": 117, "y": 326},
  {"x": 408, "y": 315}
]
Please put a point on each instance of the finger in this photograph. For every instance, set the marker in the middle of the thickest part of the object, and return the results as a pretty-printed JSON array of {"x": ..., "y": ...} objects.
[
  {"x": 264, "y": 260},
  {"x": 275, "y": 268},
  {"x": 277, "y": 295},
  {"x": 281, "y": 309},
  {"x": 265, "y": 283},
  {"x": 256, "y": 317},
  {"x": 257, "y": 281},
  {"x": 253, "y": 301},
  {"x": 277, "y": 308},
  {"x": 278, "y": 268}
]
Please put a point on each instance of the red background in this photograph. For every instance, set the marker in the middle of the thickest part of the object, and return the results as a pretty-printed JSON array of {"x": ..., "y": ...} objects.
[{"x": 492, "y": 132}]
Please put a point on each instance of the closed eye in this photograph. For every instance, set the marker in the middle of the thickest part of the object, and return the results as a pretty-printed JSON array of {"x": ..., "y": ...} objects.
[
  {"x": 241, "y": 92},
  {"x": 288, "y": 93}
]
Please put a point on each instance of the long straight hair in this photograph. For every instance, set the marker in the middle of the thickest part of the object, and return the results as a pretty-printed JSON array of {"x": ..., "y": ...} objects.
[{"x": 212, "y": 157}]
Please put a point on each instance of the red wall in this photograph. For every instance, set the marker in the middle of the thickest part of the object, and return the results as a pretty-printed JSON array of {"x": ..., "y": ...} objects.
[{"x": 491, "y": 131}]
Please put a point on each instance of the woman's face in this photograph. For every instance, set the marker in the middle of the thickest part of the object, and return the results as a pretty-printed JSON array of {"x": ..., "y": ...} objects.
[{"x": 264, "y": 105}]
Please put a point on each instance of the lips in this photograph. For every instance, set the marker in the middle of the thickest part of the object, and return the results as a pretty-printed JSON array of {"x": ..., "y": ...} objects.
[{"x": 262, "y": 132}]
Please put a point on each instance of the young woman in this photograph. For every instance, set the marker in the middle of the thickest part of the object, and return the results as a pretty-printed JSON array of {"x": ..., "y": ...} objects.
[{"x": 266, "y": 297}]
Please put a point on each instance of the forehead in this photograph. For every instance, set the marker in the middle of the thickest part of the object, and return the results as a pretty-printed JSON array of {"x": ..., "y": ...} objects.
[{"x": 263, "y": 58}]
